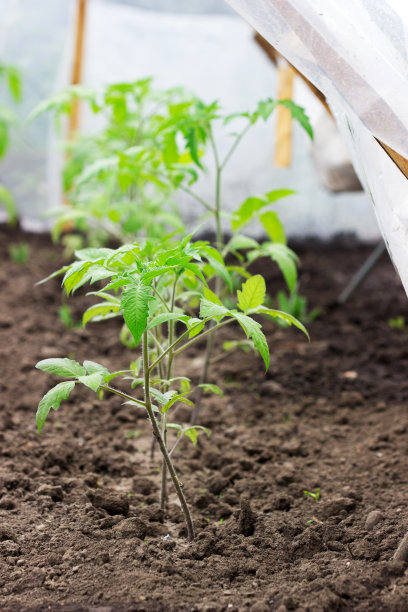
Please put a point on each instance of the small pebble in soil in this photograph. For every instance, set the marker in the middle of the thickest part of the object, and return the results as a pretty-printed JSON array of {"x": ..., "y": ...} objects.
[
  {"x": 372, "y": 519},
  {"x": 401, "y": 554}
]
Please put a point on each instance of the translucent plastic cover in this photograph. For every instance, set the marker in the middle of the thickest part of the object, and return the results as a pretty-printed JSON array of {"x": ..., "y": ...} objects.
[{"x": 356, "y": 53}]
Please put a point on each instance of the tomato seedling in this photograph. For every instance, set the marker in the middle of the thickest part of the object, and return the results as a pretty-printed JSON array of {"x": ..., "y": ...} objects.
[{"x": 148, "y": 289}]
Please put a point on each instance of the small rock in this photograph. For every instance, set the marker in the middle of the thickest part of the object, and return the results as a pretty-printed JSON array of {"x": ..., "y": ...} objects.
[
  {"x": 55, "y": 493},
  {"x": 109, "y": 501},
  {"x": 351, "y": 399},
  {"x": 247, "y": 519},
  {"x": 270, "y": 388},
  {"x": 372, "y": 519},
  {"x": 131, "y": 528},
  {"x": 401, "y": 554}
]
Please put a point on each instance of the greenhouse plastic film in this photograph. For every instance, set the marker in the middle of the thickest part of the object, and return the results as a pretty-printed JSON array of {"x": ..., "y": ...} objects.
[{"x": 355, "y": 52}]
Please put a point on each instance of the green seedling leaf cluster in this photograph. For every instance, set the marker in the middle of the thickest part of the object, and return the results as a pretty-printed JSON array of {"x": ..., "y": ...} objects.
[{"x": 170, "y": 291}]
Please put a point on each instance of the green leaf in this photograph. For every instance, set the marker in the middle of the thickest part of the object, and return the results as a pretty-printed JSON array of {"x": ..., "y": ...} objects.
[
  {"x": 246, "y": 211},
  {"x": 266, "y": 108},
  {"x": 212, "y": 388},
  {"x": 221, "y": 270},
  {"x": 99, "y": 310},
  {"x": 94, "y": 254},
  {"x": 92, "y": 381},
  {"x": 253, "y": 330},
  {"x": 135, "y": 306},
  {"x": 7, "y": 200},
  {"x": 166, "y": 316},
  {"x": 211, "y": 297},
  {"x": 209, "y": 309},
  {"x": 61, "y": 367},
  {"x": 279, "y": 314},
  {"x": 250, "y": 207},
  {"x": 52, "y": 399},
  {"x": 273, "y": 226},
  {"x": 252, "y": 294},
  {"x": 192, "y": 432},
  {"x": 278, "y": 194},
  {"x": 179, "y": 397},
  {"x": 14, "y": 83},
  {"x": 192, "y": 145},
  {"x": 92, "y": 367},
  {"x": 195, "y": 325},
  {"x": 298, "y": 113},
  {"x": 286, "y": 260},
  {"x": 239, "y": 241},
  {"x": 76, "y": 275}
]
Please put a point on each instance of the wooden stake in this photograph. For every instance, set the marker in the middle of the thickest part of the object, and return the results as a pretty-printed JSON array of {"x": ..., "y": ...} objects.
[
  {"x": 76, "y": 74},
  {"x": 283, "y": 147}
]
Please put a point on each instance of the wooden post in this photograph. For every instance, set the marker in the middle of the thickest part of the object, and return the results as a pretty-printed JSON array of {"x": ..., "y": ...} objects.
[
  {"x": 76, "y": 74},
  {"x": 283, "y": 147}
]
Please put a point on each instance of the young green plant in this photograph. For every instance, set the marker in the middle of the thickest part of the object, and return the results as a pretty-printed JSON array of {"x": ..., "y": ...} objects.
[
  {"x": 148, "y": 293},
  {"x": 244, "y": 249},
  {"x": 10, "y": 88},
  {"x": 120, "y": 180}
]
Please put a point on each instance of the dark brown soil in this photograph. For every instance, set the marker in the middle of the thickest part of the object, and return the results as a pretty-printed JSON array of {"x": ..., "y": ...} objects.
[{"x": 80, "y": 527}]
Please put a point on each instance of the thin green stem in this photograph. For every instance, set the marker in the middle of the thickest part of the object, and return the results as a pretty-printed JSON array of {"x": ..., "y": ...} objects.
[
  {"x": 161, "y": 299},
  {"x": 197, "y": 197},
  {"x": 234, "y": 146},
  {"x": 122, "y": 394},
  {"x": 162, "y": 445},
  {"x": 163, "y": 487},
  {"x": 199, "y": 336}
]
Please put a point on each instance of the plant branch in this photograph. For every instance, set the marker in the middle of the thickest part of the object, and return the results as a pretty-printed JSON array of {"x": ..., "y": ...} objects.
[
  {"x": 122, "y": 394},
  {"x": 197, "y": 197},
  {"x": 159, "y": 438},
  {"x": 234, "y": 146}
]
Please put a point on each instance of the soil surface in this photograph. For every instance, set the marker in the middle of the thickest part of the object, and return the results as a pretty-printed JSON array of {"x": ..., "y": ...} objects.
[{"x": 80, "y": 526}]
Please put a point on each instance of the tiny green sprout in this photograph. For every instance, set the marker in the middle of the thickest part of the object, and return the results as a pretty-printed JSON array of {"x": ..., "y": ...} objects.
[
  {"x": 314, "y": 495},
  {"x": 19, "y": 253},
  {"x": 133, "y": 434},
  {"x": 221, "y": 521},
  {"x": 309, "y": 521},
  {"x": 66, "y": 318},
  {"x": 129, "y": 494},
  {"x": 397, "y": 323}
]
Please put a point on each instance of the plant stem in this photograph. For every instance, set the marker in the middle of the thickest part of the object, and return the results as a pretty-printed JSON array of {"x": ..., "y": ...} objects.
[
  {"x": 199, "y": 336},
  {"x": 234, "y": 146},
  {"x": 163, "y": 487},
  {"x": 220, "y": 247},
  {"x": 162, "y": 445},
  {"x": 124, "y": 395},
  {"x": 197, "y": 197}
]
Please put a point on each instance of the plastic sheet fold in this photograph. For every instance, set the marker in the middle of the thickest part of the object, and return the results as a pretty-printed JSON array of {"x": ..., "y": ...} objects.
[{"x": 356, "y": 53}]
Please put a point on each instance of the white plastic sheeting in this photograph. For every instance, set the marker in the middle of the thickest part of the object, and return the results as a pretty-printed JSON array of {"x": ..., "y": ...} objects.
[
  {"x": 34, "y": 37},
  {"x": 356, "y": 53},
  {"x": 213, "y": 55}
]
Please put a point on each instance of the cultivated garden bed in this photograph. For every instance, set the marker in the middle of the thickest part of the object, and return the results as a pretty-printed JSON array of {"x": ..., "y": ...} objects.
[{"x": 80, "y": 526}]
